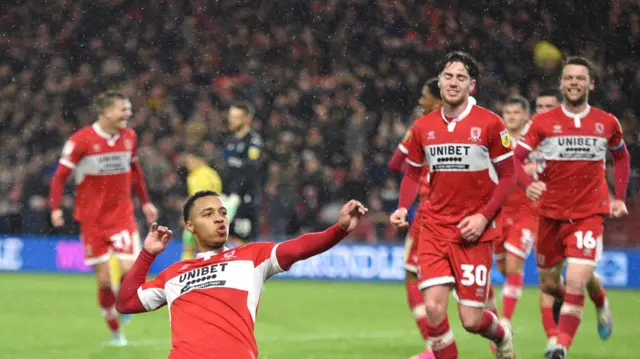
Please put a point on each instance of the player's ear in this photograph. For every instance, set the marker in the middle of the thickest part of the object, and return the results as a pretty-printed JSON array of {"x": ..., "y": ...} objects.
[
  {"x": 189, "y": 226},
  {"x": 472, "y": 88},
  {"x": 592, "y": 85}
]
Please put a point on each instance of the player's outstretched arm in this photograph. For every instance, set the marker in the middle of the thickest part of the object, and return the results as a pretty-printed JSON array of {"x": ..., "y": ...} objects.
[
  {"x": 311, "y": 244},
  {"x": 129, "y": 300},
  {"x": 408, "y": 192},
  {"x": 56, "y": 190}
]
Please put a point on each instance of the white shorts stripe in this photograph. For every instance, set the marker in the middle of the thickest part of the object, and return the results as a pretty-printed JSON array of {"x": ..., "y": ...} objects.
[
  {"x": 582, "y": 261},
  {"x": 515, "y": 250},
  {"x": 436, "y": 281},
  {"x": 97, "y": 260}
]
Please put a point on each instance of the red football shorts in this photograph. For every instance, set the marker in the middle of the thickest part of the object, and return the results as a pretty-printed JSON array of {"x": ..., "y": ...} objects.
[
  {"x": 99, "y": 242},
  {"x": 579, "y": 241},
  {"x": 411, "y": 251},
  {"x": 465, "y": 265},
  {"x": 411, "y": 243},
  {"x": 518, "y": 237}
]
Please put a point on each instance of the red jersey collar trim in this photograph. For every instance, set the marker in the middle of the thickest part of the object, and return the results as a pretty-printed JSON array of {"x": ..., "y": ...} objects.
[
  {"x": 470, "y": 103},
  {"x": 212, "y": 253},
  {"x": 582, "y": 114},
  {"x": 102, "y": 133}
]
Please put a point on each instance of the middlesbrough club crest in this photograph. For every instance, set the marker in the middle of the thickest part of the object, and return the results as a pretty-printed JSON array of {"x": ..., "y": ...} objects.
[
  {"x": 599, "y": 128},
  {"x": 128, "y": 145},
  {"x": 475, "y": 133}
]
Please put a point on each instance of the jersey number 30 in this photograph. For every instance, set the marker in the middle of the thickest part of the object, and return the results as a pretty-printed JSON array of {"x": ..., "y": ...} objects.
[{"x": 471, "y": 275}]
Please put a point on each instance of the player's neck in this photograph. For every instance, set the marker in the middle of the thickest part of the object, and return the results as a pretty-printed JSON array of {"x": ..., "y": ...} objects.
[
  {"x": 242, "y": 132},
  {"x": 210, "y": 250},
  {"x": 575, "y": 108},
  {"x": 107, "y": 129},
  {"x": 454, "y": 111}
]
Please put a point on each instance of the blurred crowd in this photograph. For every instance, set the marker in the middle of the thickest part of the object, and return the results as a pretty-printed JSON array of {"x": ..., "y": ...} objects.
[{"x": 334, "y": 82}]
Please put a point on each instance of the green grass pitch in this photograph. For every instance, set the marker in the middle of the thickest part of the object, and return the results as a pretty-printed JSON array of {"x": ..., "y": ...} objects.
[{"x": 57, "y": 317}]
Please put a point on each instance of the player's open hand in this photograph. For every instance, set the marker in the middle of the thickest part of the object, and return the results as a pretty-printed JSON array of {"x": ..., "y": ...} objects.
[
  {"x": 350, "y": 214},
  {"x": 150, "y": 212},
  {"x": 157, "y": 239},
  {"x": 57, "y": 218},
  {"x": 398, "y": 219},
  {"x": 472, "y": 227},
  {"x": 618, "y": 209},
  {"x": 535, "y": 190}
]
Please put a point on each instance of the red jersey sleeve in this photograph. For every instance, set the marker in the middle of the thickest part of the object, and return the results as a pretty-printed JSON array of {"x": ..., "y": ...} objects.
[
  {"x": 532, "y": 134},
  {"x": 499, "y": 141},
  {"x": 413, "y": 145},
  {"x": 264, "y": 258},
  {"x": 73, "y": 151},
  {"x": 134, "y": 155},
  {"x": 616, "y": 141},
  {"x": 404, "y": 144},
  {"x": 152, "y": 293}
]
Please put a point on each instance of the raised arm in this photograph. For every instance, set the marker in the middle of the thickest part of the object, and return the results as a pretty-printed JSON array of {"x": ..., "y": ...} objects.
[
  {"x": 311, "y": 244},
  {"x": 136, "y": 295}
]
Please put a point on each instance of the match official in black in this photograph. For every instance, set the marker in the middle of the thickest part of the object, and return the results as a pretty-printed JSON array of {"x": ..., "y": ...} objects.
[{"x": 245, "y": 172}]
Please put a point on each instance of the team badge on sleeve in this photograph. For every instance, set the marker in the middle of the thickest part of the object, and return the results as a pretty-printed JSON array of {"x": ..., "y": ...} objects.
[
  {"x": 407, "y": 135},
  {"x": 506, "y": 139},
  {"x": 254, "y": 153}
]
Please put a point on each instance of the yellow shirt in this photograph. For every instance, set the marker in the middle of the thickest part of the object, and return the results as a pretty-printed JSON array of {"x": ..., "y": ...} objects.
[{"x": 203, "y": 178}]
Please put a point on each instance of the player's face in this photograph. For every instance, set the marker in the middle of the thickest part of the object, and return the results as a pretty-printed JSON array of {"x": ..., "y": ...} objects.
[
  {"x": 514, "y": 116},
  {"x": 546, "y": 103},
  {"x": 118, "y": 113},
  {"x": 429, "y": 103},
  {"x": 237, "y": 119},
  {"x": 575, "y": 84},
  {"x": 209, "y": 223},
  {"x": 455, "y": 84}
]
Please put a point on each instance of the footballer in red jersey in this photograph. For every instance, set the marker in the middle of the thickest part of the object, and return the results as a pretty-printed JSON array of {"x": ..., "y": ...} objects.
[
  {"x": 518, "y": 220},
  {"x": 103, "y": 160},
  {"x": 550, "y": 306},
  {"x": 429, "y": 102},
  {"x": 471, "y": 172},
  {"x": 213, "y": 299},
  {"x": 573, "y": 140}
]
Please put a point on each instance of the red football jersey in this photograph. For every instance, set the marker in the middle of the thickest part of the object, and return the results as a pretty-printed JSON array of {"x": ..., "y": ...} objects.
[
  {"x": 460, "y": 154},
  {"x": 574, "y": 149},
  {"x": 213, "y": 300},
  {"x": 102, "y": 171},
  {"x": 424, "y": 181},
  {"x": 518, "y": 205}
]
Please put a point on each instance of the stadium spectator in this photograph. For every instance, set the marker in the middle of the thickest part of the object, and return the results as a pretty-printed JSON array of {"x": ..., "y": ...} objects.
[{"x": 311, "y": 69}]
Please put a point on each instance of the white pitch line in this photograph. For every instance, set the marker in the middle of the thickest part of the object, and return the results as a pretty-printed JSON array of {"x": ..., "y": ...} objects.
[{"x": 293, "y": 338}]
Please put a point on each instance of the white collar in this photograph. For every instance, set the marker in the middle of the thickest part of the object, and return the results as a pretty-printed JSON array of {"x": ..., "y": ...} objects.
[
  {"x": 582, "y": 114},
  {"x": 452, "y": 124},
  {"x": 102, "y": 133},
  {"x": 209, "y": 254}
]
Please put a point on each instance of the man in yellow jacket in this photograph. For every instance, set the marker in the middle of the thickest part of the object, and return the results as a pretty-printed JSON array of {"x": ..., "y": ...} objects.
[{"x": 200, "y": 177}]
